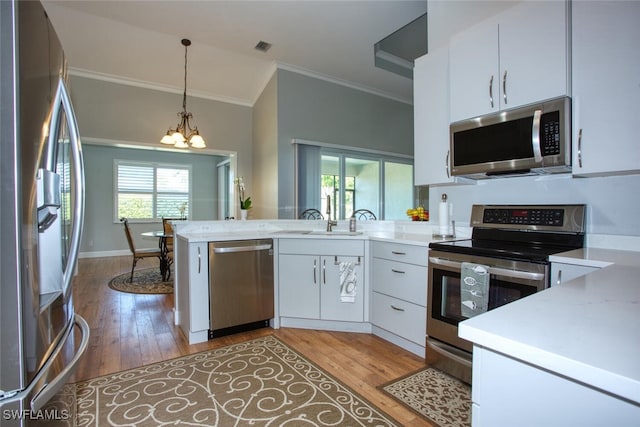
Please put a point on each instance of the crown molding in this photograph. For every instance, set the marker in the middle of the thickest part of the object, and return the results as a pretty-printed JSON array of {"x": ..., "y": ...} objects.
[
  {"x": 79, "y": 72},
  {"x": 330, "y": 79},
  {"x": 139, "y": 145}
]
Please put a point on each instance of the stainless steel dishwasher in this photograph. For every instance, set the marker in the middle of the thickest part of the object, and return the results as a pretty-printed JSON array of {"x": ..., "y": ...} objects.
[{"x": 240, "y": 285}]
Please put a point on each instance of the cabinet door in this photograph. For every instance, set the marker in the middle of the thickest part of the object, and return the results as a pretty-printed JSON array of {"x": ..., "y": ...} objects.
[
  {"x": 198, "y": 287},
  {"x": 299, "y": 286},
  {"x": 606, "y": 90},
  {"x": 561, "y": 273},
  {"x": 331, "y": 305},
  {"x": 474, "y": 68},
  {"x": 533, "y": 53},
  {"x": 431, "y": 118}
]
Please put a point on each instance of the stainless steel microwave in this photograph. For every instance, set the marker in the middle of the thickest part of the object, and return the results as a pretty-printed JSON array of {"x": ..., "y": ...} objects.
[{"x": 526, "y": 140}]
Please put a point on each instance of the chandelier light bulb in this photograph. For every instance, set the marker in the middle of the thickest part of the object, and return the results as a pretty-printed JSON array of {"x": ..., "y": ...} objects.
[
  {"x": 197, "y": 141},
  {"x": 178, "y": 137},
  {"x": 168, "y": 139},
  {"x": 181, "y": 144}
]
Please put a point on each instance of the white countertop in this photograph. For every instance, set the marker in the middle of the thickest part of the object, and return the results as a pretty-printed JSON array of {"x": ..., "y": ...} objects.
[
  {"x": 411, "y": 234},
  {"x": 587, "y": 329}
]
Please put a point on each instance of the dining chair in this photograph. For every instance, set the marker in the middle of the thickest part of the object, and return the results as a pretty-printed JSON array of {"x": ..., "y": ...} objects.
[
  {"x": 167, "y": 227},
  {"x": 138, "y": 254},
  {"x": 311, "y": 214},
  {"x": 363, "y": 215}
]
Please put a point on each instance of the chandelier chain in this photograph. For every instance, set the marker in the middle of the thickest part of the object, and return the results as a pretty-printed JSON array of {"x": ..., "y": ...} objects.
[{"x": 184, "y": 96}]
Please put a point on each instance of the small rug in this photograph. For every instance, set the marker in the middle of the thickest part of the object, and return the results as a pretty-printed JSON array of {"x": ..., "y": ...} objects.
[
  {"x": 438, "y": 397},
  {"x": 147, "y": 281},
  {"x": 261, "y": 382}
]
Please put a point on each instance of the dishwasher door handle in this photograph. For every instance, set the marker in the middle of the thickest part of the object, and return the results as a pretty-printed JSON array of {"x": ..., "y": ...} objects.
[{"x": 241, "y": 249}]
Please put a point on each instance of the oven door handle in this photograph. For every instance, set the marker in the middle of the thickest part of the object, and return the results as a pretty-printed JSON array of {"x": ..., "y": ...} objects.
[{"x": 516, "y": 274}]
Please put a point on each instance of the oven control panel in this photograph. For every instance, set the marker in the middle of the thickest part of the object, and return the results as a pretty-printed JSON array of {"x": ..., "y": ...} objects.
[
  {"x": 520, "y": 216},
  {"x": 552, "y": 218}
]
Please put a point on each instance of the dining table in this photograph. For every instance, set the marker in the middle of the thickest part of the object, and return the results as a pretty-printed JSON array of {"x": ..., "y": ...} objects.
[{"x": 165, "y": 260}]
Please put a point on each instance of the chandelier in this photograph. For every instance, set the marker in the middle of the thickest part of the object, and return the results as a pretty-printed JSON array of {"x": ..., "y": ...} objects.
[{"x": 184, "y": 134}]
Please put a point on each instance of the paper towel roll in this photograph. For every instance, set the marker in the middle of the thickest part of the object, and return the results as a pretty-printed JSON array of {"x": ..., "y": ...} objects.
[{"x": 443, "y": 216}]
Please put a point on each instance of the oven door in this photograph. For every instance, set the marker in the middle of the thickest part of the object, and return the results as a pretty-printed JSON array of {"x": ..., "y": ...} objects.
[{"x": 508, "y": 281}]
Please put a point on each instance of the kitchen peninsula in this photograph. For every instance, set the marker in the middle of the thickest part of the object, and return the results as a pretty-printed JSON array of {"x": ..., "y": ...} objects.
[
  {"x": 567, "y": 355},
  {"x": 297, "y": 243}
]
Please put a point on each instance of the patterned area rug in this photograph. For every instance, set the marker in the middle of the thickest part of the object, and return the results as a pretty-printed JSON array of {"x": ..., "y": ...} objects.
[
  {"x": 441, "y": 399},
  {"x": 147, "y": 281},
  {"x": 257, "y": 383}
]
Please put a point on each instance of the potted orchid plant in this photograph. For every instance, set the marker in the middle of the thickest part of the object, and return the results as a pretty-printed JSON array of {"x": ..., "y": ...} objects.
[{"x": 245, "y": 202}]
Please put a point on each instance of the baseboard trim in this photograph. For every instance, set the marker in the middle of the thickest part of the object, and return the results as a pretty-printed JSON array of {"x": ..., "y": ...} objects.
[{"x": 104, "y": 254}]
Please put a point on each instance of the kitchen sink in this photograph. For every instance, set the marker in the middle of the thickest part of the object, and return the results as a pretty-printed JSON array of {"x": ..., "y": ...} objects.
[{"x": 335, "y": 233}]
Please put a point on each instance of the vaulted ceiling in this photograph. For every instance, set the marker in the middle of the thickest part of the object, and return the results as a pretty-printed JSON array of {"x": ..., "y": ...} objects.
[{"x": 139, "y": 42}]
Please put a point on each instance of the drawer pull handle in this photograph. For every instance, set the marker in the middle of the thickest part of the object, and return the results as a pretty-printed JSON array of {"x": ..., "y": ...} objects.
[
  {"x": 396, "y": 308},
  {"x": 398, "y": 253},
  {"x": 397, "y": 271}
]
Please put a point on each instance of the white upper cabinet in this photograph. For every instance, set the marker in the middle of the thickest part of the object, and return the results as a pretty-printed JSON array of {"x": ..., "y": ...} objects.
[
  {"x": 515, "y": 58},
  {"x": 474, "y": 71},
  {"x": 606, "y": 87},
  {"x": 431, "y": 118}
]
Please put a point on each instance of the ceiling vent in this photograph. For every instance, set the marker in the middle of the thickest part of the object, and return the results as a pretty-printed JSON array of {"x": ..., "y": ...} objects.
[
  {"x": 397, "y": 51},
  {"x": 262, "y": 46}
]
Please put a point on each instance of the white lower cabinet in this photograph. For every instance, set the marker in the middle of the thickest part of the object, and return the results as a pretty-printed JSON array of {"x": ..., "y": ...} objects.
[
  {"x": 507, "y": 392},
  {"x": 399, "y": 281},
  {"x": 309, "y": 282},
  {"x": 192, "y": 289},
  {"x": 561, "y": 272}
]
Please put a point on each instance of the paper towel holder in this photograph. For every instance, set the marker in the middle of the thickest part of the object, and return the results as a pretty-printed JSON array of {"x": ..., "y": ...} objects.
[
  {"x": 446, "y": 236},
  {"x": 446, "y": 227}
]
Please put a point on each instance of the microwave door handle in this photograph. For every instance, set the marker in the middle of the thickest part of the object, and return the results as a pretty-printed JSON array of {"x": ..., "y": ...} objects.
[
  {"x": 535, "y": 136},
  {"x": 446, "y": 164},
  {"x": 504, "y": 272}
]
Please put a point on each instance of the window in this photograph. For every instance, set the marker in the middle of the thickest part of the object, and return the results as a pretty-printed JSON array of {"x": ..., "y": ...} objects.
[
  {"x": 151, "y": 191},
  {"x": 331, "y": 186},
  {"x": 379, "y": 182}
]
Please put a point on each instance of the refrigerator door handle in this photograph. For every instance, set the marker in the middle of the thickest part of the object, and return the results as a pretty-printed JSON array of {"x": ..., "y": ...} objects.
[
  {"x": 62, "y": 104},
  {"x": 50, "y": 389}
]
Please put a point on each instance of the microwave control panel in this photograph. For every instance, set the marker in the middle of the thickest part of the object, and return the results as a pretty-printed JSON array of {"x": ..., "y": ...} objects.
[{"x": 550, "y": 133}]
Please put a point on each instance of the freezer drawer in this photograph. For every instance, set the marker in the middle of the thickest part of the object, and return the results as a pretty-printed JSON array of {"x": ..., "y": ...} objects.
[{"x": 241, "y": 288}]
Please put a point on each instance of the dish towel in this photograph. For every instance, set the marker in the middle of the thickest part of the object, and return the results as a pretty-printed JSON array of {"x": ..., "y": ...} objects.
[
  {"x": 347, "y": 282},
  {"x": 474, "y": 289}
]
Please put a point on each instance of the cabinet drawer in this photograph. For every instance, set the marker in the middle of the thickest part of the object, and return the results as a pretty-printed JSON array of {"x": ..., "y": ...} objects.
[
  {"x": 400, "y": 280},
  {"x": 339, "y": 247},
  {"x": 400, "y": 317},
  {"x": 399, "y": 252}
]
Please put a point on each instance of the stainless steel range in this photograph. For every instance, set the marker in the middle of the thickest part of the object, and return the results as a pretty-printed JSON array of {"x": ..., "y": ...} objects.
[{"x": 507, "y": 258}]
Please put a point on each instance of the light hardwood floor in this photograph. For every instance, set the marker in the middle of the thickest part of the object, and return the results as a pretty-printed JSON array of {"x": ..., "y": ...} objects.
[{"x": 130, "y": 330}]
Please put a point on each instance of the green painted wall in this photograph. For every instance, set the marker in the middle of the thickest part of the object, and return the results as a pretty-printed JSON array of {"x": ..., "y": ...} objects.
[{"x": 102, "y": 232}]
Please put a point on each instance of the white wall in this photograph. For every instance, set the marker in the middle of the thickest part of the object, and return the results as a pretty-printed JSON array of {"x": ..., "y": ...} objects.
[
  {"x": 263, "y": 189},
  {"x": 613, "y": 205}
]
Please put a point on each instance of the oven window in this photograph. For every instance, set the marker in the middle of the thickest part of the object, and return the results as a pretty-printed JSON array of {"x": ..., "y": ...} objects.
[{"x": 446, "y": 301}]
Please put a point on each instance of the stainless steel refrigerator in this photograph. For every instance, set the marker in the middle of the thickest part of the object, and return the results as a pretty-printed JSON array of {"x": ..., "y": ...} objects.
[{"x": 41, "y": 215}]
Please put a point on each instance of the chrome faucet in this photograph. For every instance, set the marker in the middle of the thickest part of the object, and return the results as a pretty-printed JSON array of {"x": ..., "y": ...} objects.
[{"x": 330, "y": 223}]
